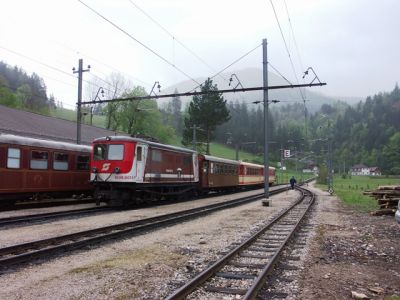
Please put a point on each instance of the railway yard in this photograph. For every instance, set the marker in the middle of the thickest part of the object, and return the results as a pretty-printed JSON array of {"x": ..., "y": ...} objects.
[{"x": 335, "y": 254}]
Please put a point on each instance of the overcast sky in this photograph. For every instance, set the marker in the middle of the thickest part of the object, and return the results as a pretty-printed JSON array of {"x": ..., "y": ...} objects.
[{"x": 353, "y": 45}]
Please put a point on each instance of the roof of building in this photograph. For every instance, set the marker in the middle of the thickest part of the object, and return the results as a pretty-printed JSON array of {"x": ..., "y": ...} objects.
[
  {"x": 23, "y": 123},
  {"x": 360, "y": 166},
  {"x": 374, "y": 169}
]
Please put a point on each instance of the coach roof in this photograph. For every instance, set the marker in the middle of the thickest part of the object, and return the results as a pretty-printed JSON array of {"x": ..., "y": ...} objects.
[{"x": 25, "y": 141}]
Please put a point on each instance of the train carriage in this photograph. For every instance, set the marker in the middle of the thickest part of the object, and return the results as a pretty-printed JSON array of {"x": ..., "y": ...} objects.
[
  {"x": 253, "y": 175},
  {"x": 31, "y": 168},
  {"x": 127, "y": 169},
  {"x": 218, "y": 173}
]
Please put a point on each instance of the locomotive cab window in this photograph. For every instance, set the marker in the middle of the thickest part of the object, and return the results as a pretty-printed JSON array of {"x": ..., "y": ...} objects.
[
  {"x": 115, "y": 152},
  {"x": 82, "y": 162},
  {"x": 99, "y": 152},
  {"x": 14, "y": 158},
  {"x": 60, "y": 161},
  {"x": 108, "y": 152},
  {"x": 39, "y": 160}
]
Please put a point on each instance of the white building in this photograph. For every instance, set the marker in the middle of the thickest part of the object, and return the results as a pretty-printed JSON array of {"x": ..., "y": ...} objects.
[{"x": 363, "y": 170}]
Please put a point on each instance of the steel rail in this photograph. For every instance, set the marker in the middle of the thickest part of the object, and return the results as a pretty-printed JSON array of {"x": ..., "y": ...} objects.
[
  {"x": 43, "y": 248},
  {"x": 52, "y": 215},
  {"x": 202, "y": 277}
]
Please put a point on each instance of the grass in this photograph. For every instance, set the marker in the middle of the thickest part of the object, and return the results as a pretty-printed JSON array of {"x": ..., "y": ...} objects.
[
  {"x": 70, "y": 115},
  {"x": 350, "y": 190},
  {"x": 224, "y": 151},
  {"x": 283, "y": 176}
]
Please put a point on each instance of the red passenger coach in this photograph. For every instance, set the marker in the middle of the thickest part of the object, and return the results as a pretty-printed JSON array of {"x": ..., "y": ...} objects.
[
  {"x": 126, "y": 169},
  {"x": 32, "y": 167}
]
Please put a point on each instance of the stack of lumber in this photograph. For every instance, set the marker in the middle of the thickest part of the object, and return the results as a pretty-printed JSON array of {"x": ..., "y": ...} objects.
[{"x": 388, "y": 197}]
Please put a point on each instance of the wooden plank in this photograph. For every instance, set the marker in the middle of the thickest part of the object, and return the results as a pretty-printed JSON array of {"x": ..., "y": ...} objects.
[{"x": 385, "y": 211}]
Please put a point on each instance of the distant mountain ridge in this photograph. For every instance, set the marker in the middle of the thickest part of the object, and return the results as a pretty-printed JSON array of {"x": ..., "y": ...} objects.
[{"x": 252, "y": 77}]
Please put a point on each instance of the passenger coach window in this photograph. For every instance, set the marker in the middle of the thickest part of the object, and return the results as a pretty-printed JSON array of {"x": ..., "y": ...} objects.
[
  {"x": 60, "y": 161},
  {"x": 39, "y": 160},
  {"x": 156, "y": 155},
  {"x": 187, "y": 160},
  {"x": 82, "y": 162},
  {"x": 14, "y": 158},
  {"x": 116, "y": 152}
]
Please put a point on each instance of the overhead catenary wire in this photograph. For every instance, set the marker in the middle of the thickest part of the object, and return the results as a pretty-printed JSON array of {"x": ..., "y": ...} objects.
[
  {"x": 174, "y": 38},
  {"x": 230, "y": 65},
  {"x": 133, "y": 78},
  {"x": 290, "y": 58},
  {"x": 286, "y": 47},
  {"x": 139, "y": 42},
  {"x": 300, "y": 62},
  {"x": 50, "y": 67},
  {"x": 294, "y": 37},
  {"x": 280, "y": 74}
]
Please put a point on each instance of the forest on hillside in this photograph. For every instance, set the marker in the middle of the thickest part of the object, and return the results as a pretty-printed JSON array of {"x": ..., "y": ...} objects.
[
  {"x": 23, "y": 91},
  {"x": 367, "y": 133}
]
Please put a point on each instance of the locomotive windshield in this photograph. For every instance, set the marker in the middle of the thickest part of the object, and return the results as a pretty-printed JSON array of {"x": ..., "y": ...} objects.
[{"x": 108, "y": 152}]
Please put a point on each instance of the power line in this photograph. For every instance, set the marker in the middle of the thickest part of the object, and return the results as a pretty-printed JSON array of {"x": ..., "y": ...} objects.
[
  {"x": 286, "y": 47},
  {"x": 37, "y": 61},
  {"x": 174, "y": 38},
  {"x": 276, "y": 70},
  {"x": 294, "y": 38},
  {"x": 234, "y": 62},
  {"x": 139, "y": 42},
  {"x": 301, "y": 64},
  {"x": 103, "y": 63},
  {"x": 47, "y": 66}
]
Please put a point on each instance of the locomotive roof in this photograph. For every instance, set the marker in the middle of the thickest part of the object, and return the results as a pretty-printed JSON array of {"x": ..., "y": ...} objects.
[
  {"x": 223, "y": 160},
  {"x": 20, "y": 140},
  {"x": 120, "y": 138}
]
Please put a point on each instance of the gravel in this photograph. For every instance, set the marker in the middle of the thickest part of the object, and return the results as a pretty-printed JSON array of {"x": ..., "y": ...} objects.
[{"x": 149, "y": 266}]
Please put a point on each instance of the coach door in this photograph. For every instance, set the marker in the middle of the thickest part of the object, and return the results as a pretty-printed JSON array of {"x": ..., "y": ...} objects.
[
  {"x": 204, "y": 173},
  {"x": 140, "y": 161}
]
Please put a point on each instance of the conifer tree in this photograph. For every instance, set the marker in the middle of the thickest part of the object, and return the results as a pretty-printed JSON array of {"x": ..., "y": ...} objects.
[{"x": 206, "y": 111}]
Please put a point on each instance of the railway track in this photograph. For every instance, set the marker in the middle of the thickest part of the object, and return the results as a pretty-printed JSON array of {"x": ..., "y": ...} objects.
[
  {"x": 34, "y": 218},
  {"x": 244, "y": 270},
  {"x": 30, "y": 251},
  {"x": 37, "y": 218},
  {"x": 44, "y": 204}
]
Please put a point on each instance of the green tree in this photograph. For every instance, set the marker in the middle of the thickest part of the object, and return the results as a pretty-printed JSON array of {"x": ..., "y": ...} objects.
[
  {"x": 391, "y": 154},
  {"x": 206, "y": 111},
  {"x": 7, "y": 98}
]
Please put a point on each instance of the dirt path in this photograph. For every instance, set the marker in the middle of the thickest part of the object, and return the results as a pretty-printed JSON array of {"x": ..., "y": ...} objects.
[{"x": 351, "y": 252}]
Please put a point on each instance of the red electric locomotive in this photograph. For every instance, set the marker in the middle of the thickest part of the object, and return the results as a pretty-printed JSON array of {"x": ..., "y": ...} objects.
[
  {"x": 31, "y": 168},
  {"x": 127, "y": 169},
  {"x": 131, "y": 170}
]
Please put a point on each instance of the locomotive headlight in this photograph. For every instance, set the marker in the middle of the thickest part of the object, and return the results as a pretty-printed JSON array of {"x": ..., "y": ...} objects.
[
  {"x": 117, "y": 170},
  {"x": 94, "y": 170}
]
